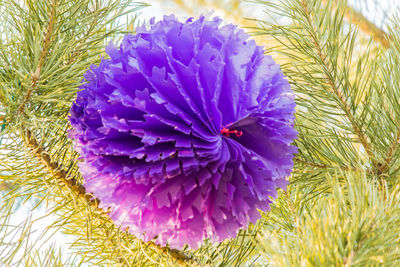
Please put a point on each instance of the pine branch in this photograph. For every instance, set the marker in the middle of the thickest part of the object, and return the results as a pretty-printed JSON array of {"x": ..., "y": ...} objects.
[
  {"x": 78, "y": 190},
  {"x": 393, "y": 80},
  {"x": 45, "y": 117},
  {"x": 46, "y": 44},
  {"x": 390, "y": 154},
  {"x": 332, "y": 83},
  {"x": 366, "y": 26},
  {"x": 348, "y": 217},
  {"x": 354, "y": 223},
  {"x": 38, "y": 148},
  {"x": 57, "y": 171}
]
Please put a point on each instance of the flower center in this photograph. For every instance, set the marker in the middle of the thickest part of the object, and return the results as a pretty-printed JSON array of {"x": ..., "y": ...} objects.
[{"x": 225, "y": 131}]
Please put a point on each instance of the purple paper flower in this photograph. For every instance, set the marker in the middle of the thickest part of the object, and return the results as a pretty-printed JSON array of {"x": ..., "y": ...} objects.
[{"x": 185, "y": 132}]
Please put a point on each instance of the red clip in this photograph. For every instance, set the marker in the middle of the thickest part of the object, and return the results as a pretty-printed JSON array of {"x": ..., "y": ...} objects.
[{"x": 225, "y": 131}]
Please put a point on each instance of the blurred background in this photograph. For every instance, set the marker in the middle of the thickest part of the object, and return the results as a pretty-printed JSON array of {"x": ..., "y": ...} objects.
[{"x": 236, "y": 11}]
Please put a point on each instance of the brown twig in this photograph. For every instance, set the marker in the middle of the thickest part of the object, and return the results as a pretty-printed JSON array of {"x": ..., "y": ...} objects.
[
  {"x": 366, "y": 26},
  {"x": 323, "y": 166},
  {"x": 177, "y": 255},
  {"x": 362, "y": 137},
  {"x": 389, "y": 155},
  {"x": 57, "y": 170},
  {"x": 311, "y": 164},
  {"x": 46, "y": 44}
]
